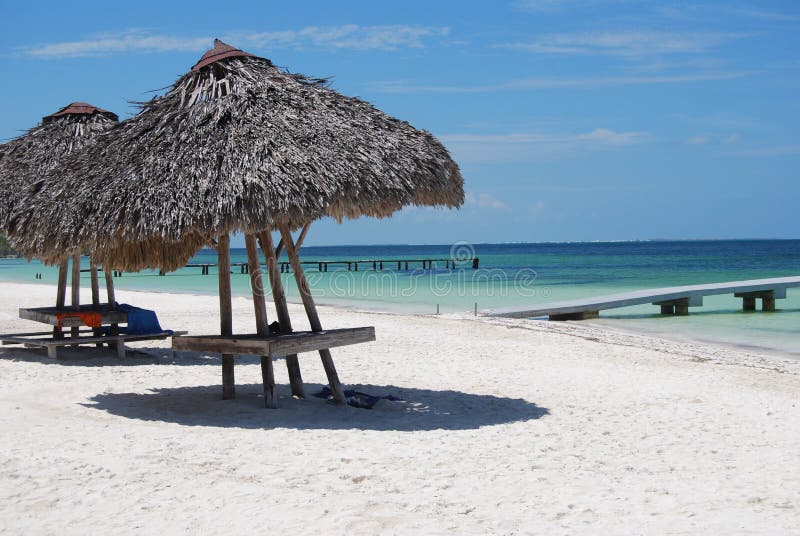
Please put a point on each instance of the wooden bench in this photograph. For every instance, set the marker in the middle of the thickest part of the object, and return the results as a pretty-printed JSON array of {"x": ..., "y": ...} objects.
[
  {"x": 274, "y": 345},
  {"x": 46, "y": 340}
]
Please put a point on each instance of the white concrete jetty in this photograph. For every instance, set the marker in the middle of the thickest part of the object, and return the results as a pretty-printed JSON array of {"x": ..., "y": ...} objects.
[{"x": 672, "y": 300}]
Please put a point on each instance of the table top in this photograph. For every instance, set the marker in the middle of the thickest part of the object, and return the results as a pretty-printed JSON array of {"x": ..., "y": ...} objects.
[{"x": 69, "y": 315}]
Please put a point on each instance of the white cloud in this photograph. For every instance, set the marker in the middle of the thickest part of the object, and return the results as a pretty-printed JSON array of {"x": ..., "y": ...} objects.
[
  {"x": 349, "y": 36},
  {"x": 389, "y": 37},
  {"x": 780, "y": 150},
  {"x": 706, "y": 140},
  {"x": 610, "y": 137},
  {"x": 763, "y": 14},
  {"x": 539, "y": 5},
  {"x": 547, "y": 6},
  {"x": 632, "y": 44},
  {"x": 404, "y": 86},
  {"x": 484, "y": 200},
  {"x": 127, "y": 41},
  {"x": 698, "y": 140},
  {"x": 598, "y": 135},
  {"x": 536, "y": 209},
  {"x": 527, "y": 147}
]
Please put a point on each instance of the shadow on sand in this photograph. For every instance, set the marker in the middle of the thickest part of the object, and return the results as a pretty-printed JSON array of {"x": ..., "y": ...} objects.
[
  {"x": 419, "y": 410},
  {"x": 90, "y": 356}
]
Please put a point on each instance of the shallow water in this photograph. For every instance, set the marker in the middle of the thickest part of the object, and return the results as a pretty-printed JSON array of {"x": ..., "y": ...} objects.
[{"x": 527, "y": 274}]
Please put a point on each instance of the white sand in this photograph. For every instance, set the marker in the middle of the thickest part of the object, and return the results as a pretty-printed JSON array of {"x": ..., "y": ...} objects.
[{"x": 508, "y": 427}]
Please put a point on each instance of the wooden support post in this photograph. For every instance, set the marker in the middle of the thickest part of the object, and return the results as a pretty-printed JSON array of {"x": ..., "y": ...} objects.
[
  {"x": 262, "y": 324},
  {"x": 381, "y": 266},
  {"x": 120, "y": 349},
  {"x": 301, "y": 238},
  {"x": 313, "y": 317},
  {"x": 282, "y": 310},
  {"x": 398, "y": 265},
  {"x": 682, "y": 309},
  {"x": 61, "y": 296},
  {"x": 406, "y": 265},
  {"x": 768, "y": 304},
  {"x": 475, "y": 263},
  {"x": 95, "y": 287},
  {"x": 97, "y": 332},
  {"x": 748, "y": 304},
  {"x": 76, "y": 289},
  {"x": 667, "y": 309},
  {"x": 226, "y": 314},
  {"x": 112, "y": 298}
]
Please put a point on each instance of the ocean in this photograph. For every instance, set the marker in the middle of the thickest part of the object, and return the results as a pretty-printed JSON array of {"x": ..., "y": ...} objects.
[{"x": 526, "y": 274}]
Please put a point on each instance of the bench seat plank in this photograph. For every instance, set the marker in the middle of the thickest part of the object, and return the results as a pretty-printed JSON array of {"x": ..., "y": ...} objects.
[{"x": 275, "y": 345}]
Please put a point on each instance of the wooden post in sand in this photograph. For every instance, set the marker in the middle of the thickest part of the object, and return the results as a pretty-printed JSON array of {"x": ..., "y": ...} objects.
[
  {"x": 226, "y": 314},
  {"x": 311, "y": 312},
  {"x": 262, "y": 324},
  {"x": 76, "y": 289},
  {"x": 97, "y": 332},
  {"x": 61, "y": 296},
  {"x": 112, "y": 298},
  {"x": 282, "y": 309}
]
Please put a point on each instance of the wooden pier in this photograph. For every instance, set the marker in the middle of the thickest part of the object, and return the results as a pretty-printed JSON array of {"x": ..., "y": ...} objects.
[
  {"x": 352, "y": 265},
  {"x": 671, "y": 300}
]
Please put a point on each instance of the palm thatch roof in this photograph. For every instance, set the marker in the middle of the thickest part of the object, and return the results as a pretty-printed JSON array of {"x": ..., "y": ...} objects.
[
  {"x": 236, "y": 144},
  {"x": 26, "y": 159}
]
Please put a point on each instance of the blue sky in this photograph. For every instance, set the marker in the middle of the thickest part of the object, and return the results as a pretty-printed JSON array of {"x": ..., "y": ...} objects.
[{"x": 570, "y": 119}]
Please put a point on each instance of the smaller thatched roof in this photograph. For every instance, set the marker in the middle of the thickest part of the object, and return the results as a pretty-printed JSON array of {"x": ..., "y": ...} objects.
[
  {"x": 78, "y": 109},
  {"x": 236, "y": 144},
  {"x": 26, "y": 159}
]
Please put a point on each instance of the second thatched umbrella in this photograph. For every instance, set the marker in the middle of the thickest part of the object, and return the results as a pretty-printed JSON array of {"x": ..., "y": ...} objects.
[
  {"x": 237, "y": 144},
  {"x": 27, "y": 159}
]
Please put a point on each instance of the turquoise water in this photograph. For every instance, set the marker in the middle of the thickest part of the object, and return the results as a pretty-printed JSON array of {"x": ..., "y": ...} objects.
[{"x": 526, "y": 274}]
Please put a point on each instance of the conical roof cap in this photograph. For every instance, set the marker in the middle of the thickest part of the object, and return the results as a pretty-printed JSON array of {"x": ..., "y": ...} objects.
[
  {"x": 79, "y": 108},
  {"x": 219, "y": 52}
]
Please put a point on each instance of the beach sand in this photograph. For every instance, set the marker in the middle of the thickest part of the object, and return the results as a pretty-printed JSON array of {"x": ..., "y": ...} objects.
[{"x": 506, "y": 427}]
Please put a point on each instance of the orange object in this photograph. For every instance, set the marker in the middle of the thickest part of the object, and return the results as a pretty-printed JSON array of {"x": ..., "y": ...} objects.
[{"x": 93, "y": 320}]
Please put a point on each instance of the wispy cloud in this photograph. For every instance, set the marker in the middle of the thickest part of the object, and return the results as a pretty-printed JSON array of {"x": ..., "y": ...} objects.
[
  {"x": 631, "y": 44},
  {"x": 704, "y": 139},
  {"x": 763, "y": 14},
  {"x": 388, "y": 37},
  {"x": 548, "y": 6},
  {"x": 699, "y": 140},
  {"x": 598, "y": 135},
  {"x": 521, "y": 147},
  {"x": 780, "y": 150},
  {"x": 540, "y": 5},
  {"x": 105, "y": 44},
  {"x": 484, "y": 200},
  {"x": 524, "y": 84},
  {"x": 349, "y": 36}
]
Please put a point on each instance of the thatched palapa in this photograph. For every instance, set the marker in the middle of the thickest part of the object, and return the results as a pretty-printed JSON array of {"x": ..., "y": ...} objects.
[
  {"x": 238, "y": 145},
  {"x": 26, "y": 159},
  {"x": 235, "y": 144},
  {"x": 23, "y": 163}
]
